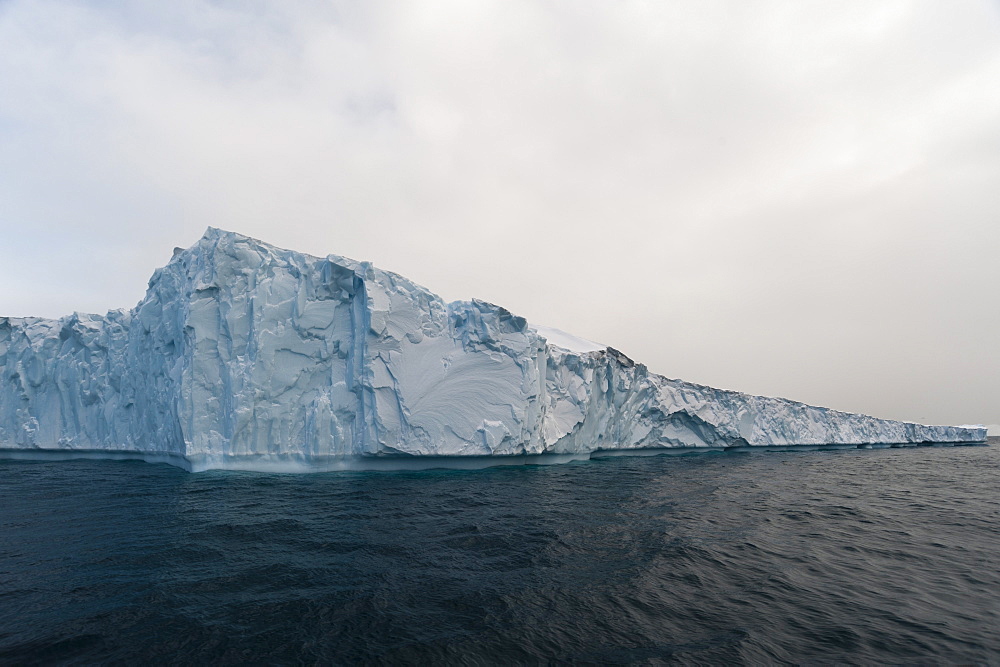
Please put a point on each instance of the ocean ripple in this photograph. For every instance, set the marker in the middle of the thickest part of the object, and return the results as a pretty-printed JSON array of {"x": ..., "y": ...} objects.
[{"x": 853, "y": 556}]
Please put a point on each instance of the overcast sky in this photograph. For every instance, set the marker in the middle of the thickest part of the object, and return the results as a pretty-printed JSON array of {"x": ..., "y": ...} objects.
[{"x": 785, "y": 198}]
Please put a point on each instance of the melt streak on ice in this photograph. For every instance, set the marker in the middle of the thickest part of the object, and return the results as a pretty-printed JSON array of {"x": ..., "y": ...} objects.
[{"x": 243, "y": 355}]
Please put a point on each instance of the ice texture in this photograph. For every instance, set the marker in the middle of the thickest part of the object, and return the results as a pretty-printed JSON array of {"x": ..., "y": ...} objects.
[{"x": 243, "y": 355}]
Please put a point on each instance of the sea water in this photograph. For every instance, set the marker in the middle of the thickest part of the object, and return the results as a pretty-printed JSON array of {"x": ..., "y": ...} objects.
[{"x": 858, "y": 556}]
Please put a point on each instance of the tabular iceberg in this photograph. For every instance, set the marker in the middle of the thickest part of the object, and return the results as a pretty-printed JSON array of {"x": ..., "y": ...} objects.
[{"x": 243, "y": 355}]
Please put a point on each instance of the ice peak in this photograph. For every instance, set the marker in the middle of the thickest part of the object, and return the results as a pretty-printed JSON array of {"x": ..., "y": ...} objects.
[{"x": 215, "y": 233}]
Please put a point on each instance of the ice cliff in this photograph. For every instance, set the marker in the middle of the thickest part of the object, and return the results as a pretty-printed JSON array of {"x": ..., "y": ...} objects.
[{"x": 243, "y": 355}]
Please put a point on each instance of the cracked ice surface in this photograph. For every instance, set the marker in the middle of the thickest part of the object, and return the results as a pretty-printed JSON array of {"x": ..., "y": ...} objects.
[{"x": 242, "y": 355}]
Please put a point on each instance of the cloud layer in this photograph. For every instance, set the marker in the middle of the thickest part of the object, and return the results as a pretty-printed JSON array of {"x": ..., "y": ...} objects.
[{"x": 794, "y": 199}]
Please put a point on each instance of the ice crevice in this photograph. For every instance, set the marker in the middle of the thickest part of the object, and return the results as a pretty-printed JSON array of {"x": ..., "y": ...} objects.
[{"x": 243, "y": 355}]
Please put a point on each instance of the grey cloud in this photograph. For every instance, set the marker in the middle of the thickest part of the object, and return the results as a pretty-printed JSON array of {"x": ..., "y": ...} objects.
[{"x": 795, "y": 199}]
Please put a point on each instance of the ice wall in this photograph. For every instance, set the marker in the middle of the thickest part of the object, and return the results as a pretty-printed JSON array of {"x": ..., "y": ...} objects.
[{"x": 241, "y": 352}]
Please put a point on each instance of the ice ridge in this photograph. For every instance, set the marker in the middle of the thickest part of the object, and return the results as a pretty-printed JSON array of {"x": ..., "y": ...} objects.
[{"x": 244, "y": 355}]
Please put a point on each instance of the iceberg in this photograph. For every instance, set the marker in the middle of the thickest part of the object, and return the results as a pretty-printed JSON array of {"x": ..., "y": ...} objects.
[{"x": 242, "y": 355}]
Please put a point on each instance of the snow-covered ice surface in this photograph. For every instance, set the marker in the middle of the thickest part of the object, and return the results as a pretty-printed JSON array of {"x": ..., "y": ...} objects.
[
  {"x": 243, "y": 355},
  {"x": 567, "y": 341}
]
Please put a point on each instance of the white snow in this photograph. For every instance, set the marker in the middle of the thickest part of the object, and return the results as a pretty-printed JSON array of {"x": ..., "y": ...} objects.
[
  {"x": 567, "y": 341},
  {"x": 243, "y": 355}
]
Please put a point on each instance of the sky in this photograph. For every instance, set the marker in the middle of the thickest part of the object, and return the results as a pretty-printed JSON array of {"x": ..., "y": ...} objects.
[{"x": 797, "y": 199}]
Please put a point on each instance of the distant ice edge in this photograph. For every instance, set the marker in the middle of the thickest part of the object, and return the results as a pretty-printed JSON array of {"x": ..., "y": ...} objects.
[{"x": 245, "y": 356}]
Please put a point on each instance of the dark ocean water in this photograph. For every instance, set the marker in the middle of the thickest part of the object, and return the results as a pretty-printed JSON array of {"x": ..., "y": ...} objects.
[{"x": 853, "y": 556}]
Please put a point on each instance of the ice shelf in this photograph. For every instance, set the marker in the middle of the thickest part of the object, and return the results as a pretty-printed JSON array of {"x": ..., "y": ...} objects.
[{"x": 243, "y": 355}]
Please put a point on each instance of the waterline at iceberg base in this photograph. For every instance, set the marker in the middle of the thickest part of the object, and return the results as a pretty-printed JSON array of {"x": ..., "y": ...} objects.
[{"x": 247, "y": 356}]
